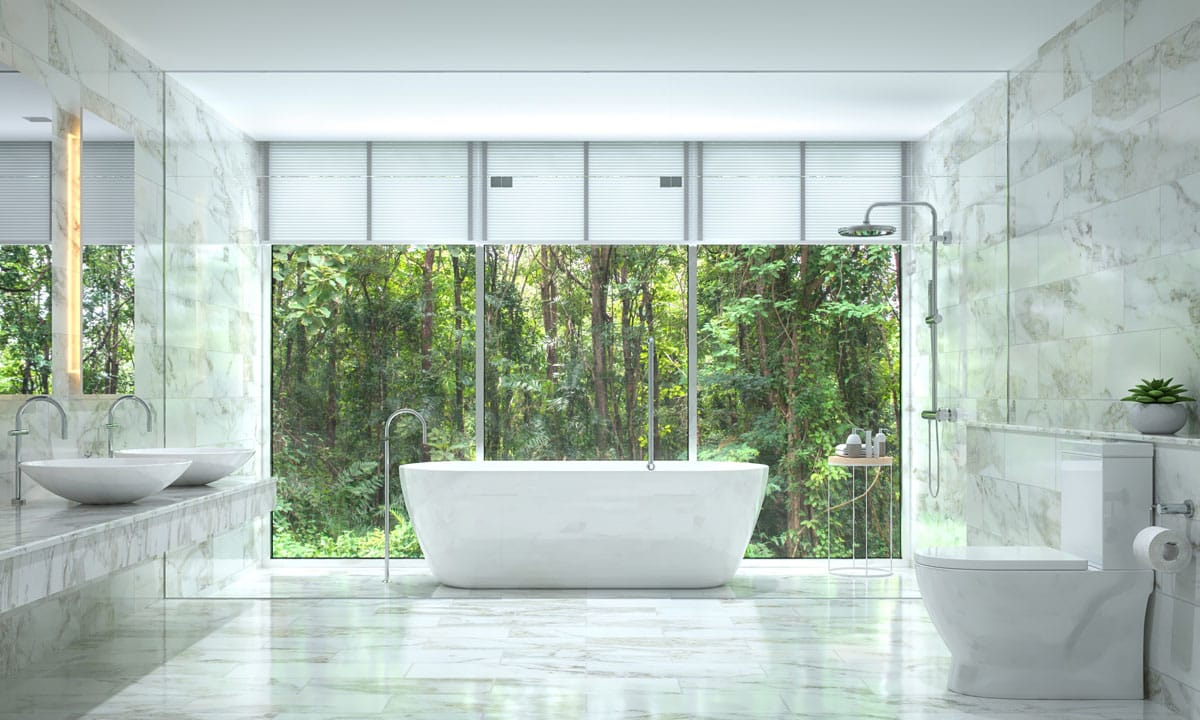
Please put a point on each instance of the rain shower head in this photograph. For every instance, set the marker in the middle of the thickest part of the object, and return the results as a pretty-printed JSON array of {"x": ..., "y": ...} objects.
[{"x": 867, "y": 229}]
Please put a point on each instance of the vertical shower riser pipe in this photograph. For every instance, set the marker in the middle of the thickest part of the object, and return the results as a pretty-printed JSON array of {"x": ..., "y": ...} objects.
[
  {"x": 934, "y": 317},
  {"x": 936, "y": 414}
]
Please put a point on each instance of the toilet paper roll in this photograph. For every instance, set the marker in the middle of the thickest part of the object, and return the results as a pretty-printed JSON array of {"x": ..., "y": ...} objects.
[{"x": 1159, "y": 548}]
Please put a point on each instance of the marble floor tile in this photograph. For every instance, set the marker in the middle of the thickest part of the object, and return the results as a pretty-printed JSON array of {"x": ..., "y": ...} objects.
[{"x": 330, "y": 643}]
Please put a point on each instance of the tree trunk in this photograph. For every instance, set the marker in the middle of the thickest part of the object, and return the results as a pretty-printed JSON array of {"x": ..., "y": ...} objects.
[
  {"x": 427, "y": 312},
  {"x": 600, "y": 262},
  {"x": 331, "y": 385},
  {"x": 457, "y": 413},
  {"x": 648, "y": 319},
  {"x": 632, "y": 361},
  {"x": 550, "y": 308}
]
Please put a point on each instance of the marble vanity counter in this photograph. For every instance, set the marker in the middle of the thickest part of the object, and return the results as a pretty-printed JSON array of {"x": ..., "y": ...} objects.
[{"x": 52, "y": 545}]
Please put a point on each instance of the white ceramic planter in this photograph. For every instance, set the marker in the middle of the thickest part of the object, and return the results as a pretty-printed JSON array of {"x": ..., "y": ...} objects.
[{"x": 1158, "y": 418}]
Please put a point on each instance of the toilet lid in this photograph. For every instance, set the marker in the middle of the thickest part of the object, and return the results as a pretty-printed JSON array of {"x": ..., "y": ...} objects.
[{"x": 1000, "y": 558}]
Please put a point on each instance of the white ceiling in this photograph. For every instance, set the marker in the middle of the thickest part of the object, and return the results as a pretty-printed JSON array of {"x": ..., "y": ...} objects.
[
  {"x": 587, "y": 106},
  {"x": 428, "y": 35},
  {"x": 616, "y": 69}
]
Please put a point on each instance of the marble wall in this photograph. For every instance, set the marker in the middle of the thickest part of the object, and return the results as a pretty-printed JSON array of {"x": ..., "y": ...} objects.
[
  {"x": 214, "y": 363},
  {"x": 198, "y": 306},
  {"x": 1105, "y": 214},
  {"x": 1100, "y": 257},
  {"x": 1105, "y": 250},
  {"x": 198, "y": 309}
]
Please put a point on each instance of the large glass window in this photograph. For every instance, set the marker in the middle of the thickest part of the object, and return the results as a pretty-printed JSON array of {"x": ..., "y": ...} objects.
[
  {"x": 797, "y": 344},
  {"x": 577, "y": 256},
  {"x": 358, "y": 332},
  {"x": 567, "y": 330}
]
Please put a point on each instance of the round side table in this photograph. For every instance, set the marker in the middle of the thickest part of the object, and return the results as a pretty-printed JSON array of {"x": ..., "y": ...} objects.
[{"x": 866, "y": 464}]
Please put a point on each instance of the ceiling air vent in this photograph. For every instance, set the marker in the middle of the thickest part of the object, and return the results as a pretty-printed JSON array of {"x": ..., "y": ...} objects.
[
  {"x": 670, "y": 181},
  {"x": 501, "y": 181}
]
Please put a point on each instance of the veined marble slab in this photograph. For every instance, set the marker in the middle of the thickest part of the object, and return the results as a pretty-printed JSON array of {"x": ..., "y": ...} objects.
[{"x": 52, "y": 545}]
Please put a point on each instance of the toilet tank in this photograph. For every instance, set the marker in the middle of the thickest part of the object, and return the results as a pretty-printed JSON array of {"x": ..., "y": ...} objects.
[{"x": 1107, "y": 490}]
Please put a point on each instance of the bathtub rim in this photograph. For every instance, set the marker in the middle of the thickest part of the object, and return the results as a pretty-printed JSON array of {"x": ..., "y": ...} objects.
[{"x": 623, "y": 466}]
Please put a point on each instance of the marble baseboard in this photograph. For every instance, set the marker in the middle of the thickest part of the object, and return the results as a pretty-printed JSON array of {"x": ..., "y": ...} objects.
[
  {"x": 213, "y": 564},
  {"x": 30, "y": 632},
  {"x": 51, "y": 546}
]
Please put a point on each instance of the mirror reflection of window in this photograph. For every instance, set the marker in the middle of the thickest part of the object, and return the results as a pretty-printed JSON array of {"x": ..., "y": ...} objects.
[
  {"x": 25, "y": 335},
  {"x": 25, "y": 276},
  {"x": 107, "y": 223}
]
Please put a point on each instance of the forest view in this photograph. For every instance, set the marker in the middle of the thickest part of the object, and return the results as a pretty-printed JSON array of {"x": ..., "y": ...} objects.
[
  {"x": 25, "y": 319},
  {"x": 796, "y": 344}
]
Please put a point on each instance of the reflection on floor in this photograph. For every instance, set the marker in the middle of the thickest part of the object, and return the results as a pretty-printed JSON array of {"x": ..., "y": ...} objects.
[{"x": 331, "y": 642}]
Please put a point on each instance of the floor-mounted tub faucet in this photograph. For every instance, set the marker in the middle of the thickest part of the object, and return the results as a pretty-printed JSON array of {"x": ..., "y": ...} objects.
[
  {"x": 650, "y": 403},
  {"x": 113, "y": 426},
  {"x": 387, "y": 483},
  {"x": 18, "y": 432}
]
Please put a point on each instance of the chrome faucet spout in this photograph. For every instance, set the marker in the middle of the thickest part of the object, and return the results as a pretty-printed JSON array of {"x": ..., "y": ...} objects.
[
  {"x": 113, "y": 426},
  {"x": 18, "y": 432},
  {"x": 650, "y": 403},
  {"x": 387, "y": 482}
]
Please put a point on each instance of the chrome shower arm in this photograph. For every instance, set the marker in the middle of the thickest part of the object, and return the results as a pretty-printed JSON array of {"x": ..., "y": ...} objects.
[{"x": 905, "y": 203}]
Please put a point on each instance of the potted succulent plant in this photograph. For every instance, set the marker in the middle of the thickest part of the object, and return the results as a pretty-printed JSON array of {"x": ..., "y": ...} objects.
[{"x": 1158, "y": 406}]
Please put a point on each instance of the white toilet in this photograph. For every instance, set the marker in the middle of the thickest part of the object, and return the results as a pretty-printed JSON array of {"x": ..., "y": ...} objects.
[{"x": 1040, "y": 623}]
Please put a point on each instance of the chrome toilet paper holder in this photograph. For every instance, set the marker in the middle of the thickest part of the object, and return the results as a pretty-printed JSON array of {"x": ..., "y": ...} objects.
[{"x": 1186, "y": 508}]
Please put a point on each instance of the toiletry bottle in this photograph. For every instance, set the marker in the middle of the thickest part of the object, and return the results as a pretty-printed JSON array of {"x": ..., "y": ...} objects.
[{"x": 880, "y": 444}]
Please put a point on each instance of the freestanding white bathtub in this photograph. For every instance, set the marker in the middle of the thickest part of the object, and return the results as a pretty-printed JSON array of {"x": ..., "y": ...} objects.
[{"x": 565, "y": 524}]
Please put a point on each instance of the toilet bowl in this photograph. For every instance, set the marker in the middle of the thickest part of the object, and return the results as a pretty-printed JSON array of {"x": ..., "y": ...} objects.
[
  {"x": 1044, "y": 623},
  {"x": 1036, "y": 623}
]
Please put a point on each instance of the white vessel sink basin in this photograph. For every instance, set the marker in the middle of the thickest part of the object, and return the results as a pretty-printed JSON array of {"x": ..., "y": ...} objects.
[
  {"x": 208, "y": 463},
  {"x": 105, "y": 481}
]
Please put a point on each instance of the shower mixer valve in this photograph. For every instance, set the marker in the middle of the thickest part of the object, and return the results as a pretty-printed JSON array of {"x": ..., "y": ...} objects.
[{"x": 940, "y": 415}]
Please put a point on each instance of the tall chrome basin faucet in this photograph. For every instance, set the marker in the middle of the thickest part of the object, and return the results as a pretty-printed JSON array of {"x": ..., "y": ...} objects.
[
  {"x": 18, "y": 432},
  {"x": 113, "y": 426}
]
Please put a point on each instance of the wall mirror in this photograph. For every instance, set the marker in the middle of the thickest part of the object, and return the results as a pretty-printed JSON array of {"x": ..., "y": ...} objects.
[
  {"x": 108, "y": 284},
  {"x": 26, "y": 112}
]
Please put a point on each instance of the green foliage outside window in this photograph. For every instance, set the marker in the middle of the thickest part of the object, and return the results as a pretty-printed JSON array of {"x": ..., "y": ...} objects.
[
  {"x": 797, "y": 344},
  {"x": 25, "y": 334},
  {"x": 358, "y": 332},
  {"x": 25, "y": 319},
  {"x": 107, "y": 321}
]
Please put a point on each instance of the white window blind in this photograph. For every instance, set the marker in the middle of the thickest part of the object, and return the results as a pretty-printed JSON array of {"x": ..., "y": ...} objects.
[
  {"x": 318, "y": 192},
  {"x": 106, "y": 193},
  {"x": 543, "y": 203},
  {"x": 419, "y": 193},
  {"x": 751, "y": 192},
  {"x": 635, "y": 193},
  {"x": 24, "y": 193},
  {"x": 841, "y": 182},
  {"x": 769, "y": 193}
]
